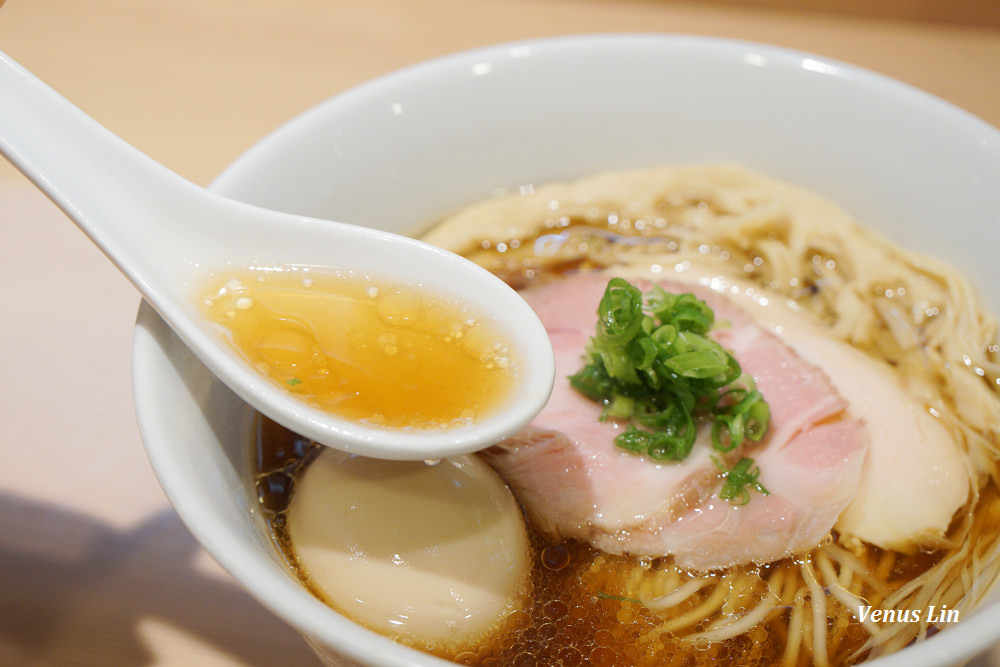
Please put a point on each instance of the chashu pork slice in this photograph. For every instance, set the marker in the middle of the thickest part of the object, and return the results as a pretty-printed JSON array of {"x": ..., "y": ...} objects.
[
  {"x": 916, "y": 475},
  {"x": 575, "y": 483}
]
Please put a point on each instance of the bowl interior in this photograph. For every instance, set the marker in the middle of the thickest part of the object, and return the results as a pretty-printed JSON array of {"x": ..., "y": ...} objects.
[{"x": 411, "y": 147}]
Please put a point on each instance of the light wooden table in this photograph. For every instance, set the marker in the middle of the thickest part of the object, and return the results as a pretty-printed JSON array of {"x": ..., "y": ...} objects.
[{"x": 95, "y": 567}]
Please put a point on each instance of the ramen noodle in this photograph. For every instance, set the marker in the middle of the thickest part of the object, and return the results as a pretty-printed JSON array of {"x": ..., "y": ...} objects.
[{"x": 912, "y": 550}]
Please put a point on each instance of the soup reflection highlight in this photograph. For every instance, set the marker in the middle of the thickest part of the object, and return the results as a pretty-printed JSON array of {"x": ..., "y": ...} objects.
[{"x": 872, "y": 501}]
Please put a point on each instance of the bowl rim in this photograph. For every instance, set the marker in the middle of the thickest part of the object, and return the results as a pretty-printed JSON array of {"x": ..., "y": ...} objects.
[
  {"x": 292, "y": 603},
  {"x": 237, "y": 170}
]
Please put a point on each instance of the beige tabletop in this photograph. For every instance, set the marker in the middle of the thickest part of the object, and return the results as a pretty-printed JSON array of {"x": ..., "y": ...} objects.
[{"x": 95, "y": 567}]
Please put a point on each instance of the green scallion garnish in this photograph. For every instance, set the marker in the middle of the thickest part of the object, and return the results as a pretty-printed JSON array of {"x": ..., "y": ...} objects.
[
  {"x": 651, "y": 362},
  {"x": 737, "y": 479}
]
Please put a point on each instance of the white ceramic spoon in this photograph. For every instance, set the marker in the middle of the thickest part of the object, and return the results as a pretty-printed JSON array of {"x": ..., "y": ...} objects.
[{"x": 163, "y": 232}]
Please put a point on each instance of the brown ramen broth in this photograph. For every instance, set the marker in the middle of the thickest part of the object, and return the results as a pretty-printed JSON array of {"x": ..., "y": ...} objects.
[
  {"x": 578, "y": 613},
  {"x": 589, "y": 607}
]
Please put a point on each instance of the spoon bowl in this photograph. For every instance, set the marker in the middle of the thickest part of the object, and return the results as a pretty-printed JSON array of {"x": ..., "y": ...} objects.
[{"x": 166, "y": 233}]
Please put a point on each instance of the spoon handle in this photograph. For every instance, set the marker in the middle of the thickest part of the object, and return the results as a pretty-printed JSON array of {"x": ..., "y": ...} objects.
[
  {"x": 114, "y": 193},
  {"x": 164, "y": 232}
]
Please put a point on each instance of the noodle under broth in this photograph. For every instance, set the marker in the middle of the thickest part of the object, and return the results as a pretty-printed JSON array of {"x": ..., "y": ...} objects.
[{"x": 910, "y": 311}]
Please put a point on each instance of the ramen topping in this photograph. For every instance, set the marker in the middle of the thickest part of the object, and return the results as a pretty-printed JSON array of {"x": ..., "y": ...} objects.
[
  {"x": 575, "y": 483},
  {"x": 915, "y": 476},
  {"x": 421, "y": 552}
]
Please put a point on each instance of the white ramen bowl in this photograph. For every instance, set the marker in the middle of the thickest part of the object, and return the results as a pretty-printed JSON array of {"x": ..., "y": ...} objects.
[{"x": 410, "y": 147}]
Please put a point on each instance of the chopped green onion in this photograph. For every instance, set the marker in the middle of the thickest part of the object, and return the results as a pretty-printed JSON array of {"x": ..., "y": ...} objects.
[
  {"x": 737, "y": 479},
  {"x": 651, "y": 362},
  {"x": 293, "y": 381}
]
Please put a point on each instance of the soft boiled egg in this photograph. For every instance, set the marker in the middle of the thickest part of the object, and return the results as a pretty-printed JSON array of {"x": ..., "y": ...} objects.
[{"x": 428, "y": 552}]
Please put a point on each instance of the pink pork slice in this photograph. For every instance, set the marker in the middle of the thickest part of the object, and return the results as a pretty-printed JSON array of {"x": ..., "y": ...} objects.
[{"x": 575, "y": 483}]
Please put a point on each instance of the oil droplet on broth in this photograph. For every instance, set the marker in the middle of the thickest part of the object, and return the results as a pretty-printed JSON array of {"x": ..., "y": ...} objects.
[{"x": 374, "y": 351}]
